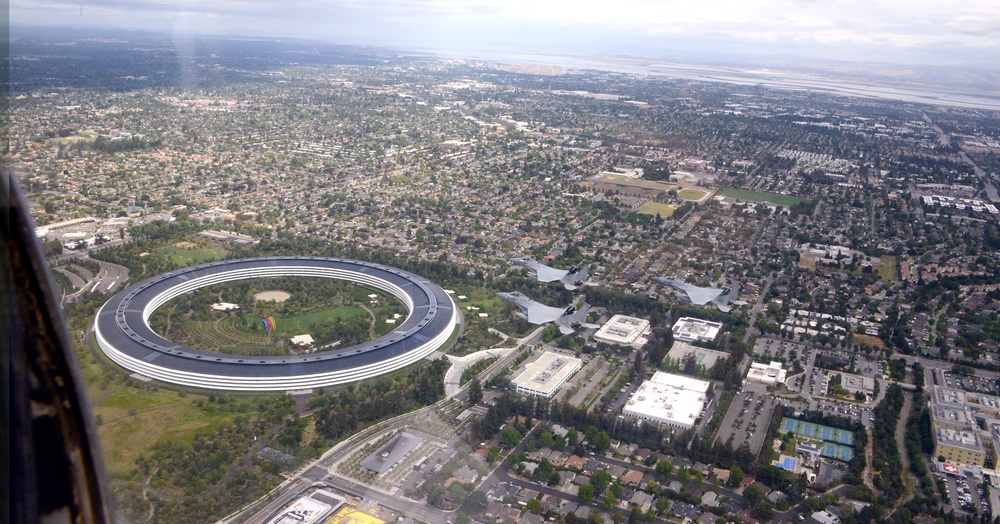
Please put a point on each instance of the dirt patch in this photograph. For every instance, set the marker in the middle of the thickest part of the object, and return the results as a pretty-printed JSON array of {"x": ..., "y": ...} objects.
[
  {"x": 869, "y": 340},
  {"x": 273, "y": 295}
]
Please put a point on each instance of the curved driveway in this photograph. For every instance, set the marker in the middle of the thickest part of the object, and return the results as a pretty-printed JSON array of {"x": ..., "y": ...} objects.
[{"x": 452, "y": 379}]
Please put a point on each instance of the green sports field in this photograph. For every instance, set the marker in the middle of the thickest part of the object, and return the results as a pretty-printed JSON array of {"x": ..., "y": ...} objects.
[
  {"x": 652, "y": 208},
  {"x": 756, "y": 196}
]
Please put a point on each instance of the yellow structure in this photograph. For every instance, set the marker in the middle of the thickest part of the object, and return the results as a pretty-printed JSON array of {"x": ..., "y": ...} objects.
[
  {"x": 959, "y": 446},
  {"x": 349, "y": 515}
]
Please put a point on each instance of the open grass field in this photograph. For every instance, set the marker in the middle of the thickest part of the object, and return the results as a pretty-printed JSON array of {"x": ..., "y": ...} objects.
[
  {"x": 84, "y": 136},
  {"x": 135, "y": 419},
  {"x": 652, "y": 208},
  {"x": 756, "y": 196},
  {"x": 291, "y": 325},
  {"x": 190, "y": 257},
  {"x": 888, "y": 268},
  {"x": 808, "y": 263},
  {"x": 691, "y": 194}
]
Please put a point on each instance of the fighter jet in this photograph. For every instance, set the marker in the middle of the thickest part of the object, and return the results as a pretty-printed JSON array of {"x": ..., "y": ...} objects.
[
  {"x": 720, "y": 298},
  {"x": 568, "y": 320},
  {"x": 571, "y": 278}
]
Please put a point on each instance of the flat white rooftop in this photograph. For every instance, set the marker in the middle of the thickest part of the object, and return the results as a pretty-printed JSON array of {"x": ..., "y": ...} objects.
[
  {"x": 303, "y": 511},
  {"x": 623, "y": 330},
  {"x": 770, "y": 374},
  {"x": 690, "y": 329},
  {"x": 967, "y": 440},
  {"x": 675, "y": 400},
  {"x": 547, "y": 374}
]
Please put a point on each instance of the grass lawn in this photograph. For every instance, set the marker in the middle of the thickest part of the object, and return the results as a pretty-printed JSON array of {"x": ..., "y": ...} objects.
[
  {"x": 190, "y": 257},
  {"x": 126, "y": 398},
  {"x": 299, "y": 324},
  {"x": 888, "y": 268},
  {"x": 124, "y": 439},
  {"x": 85, "y": 136},
  {"x": 755, "y": 196},
  {"x": 808, "y": 263},
  {"x": 690, "y": 194},
  {"x": 652, "y": 208}
]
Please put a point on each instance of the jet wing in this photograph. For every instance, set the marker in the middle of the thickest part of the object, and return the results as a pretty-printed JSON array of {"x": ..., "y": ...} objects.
[
  {"x": 547, "y": 274},
  {"x": 697, "y": 295},
  {"x": 542, "y": 314}
]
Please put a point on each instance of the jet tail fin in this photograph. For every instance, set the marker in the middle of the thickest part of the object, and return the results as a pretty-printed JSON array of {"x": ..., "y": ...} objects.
[{"x": 576, "y": 277}]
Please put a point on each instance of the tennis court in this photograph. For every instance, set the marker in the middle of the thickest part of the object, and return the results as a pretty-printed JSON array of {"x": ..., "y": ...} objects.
[
  {"x": 816, "y": 431},
  {"x": 837, "y": 451}
]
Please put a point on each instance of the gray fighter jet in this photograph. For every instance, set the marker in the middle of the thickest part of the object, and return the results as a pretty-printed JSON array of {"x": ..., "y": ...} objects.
[
  {"x": 568, "y": 320},
  {"x": 720, "y": 298},
  {"x": 571, "y": 278}
]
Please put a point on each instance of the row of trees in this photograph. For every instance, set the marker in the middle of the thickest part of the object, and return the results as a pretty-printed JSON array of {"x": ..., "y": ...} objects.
[{"x": 349, "y": 409}]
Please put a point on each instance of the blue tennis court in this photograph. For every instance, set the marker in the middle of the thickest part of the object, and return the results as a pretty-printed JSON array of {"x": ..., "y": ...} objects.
[
  {"x": 816, "y": 431},
  {"x": 837, "y": 451}
]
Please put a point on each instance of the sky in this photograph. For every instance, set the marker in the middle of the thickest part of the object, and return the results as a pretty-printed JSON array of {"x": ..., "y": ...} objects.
[{"x": 931, "y": 32}]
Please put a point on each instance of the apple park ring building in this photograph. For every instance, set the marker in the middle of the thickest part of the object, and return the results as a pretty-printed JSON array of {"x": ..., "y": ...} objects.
[{"x": 124, "y": 335}]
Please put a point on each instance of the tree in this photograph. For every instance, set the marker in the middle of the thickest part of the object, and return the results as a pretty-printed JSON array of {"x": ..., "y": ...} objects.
[
  {"x": 664, "y": 468},
  {"x": 475, "y": 391},
  {"x": 435, "y": 496},
  {"x": 555, "y": 479},
  {"x": 813, "y": 504},
  {"x": 600, "y": 480},
  {"x": 511, "y": 436},
  {"x": 609, "y": 501},
  {"x": 753, "y": 494},
  {"x": 586, "y": 493},
  {"x": 601, "y": 441},
  {"x": 534, "y": 505},
  {"x": 735, "y": 476}
]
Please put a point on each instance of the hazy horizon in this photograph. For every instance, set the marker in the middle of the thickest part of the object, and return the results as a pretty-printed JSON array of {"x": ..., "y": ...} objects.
[{"x": 917, "y": 33}]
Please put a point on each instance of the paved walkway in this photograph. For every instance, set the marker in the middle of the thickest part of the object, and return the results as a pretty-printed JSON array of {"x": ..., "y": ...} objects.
[{"x": 453, "y": 378}]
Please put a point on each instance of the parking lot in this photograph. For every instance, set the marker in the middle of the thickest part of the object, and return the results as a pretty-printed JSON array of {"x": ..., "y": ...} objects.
[
  {"x": 967, "y": 493},
  {"x": 849, "y": 411},
  {"x": 747, "y": 419},
  {"x": 974, "y": 384}
]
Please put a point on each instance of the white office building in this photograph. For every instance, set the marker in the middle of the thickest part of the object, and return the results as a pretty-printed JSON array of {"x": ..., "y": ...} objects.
[
  {"x": 673, "y": 400},
  {"x": 691, "y": 329},
  {"x": 547, "y": 374},
  {"x": 623, "y": 330}
]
